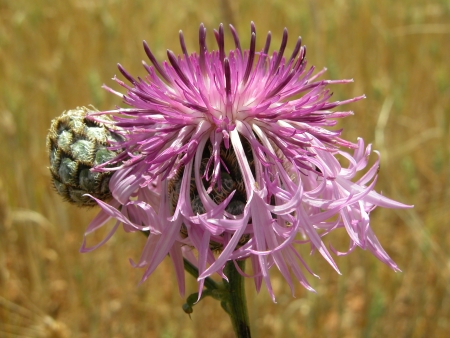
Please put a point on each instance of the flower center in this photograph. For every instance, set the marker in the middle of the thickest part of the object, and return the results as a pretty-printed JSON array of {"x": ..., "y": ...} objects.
[{"x": 230, "y": 180}]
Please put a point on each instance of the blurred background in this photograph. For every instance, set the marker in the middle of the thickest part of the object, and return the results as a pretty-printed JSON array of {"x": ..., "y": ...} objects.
[{"x": 55, "y": 55}]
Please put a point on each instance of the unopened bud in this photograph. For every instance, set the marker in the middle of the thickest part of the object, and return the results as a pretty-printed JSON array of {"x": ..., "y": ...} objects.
[{"x": 75, "y": 145}]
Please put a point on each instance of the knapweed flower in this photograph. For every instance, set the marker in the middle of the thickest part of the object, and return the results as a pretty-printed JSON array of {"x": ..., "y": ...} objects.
[{"x": 230, "y": 156}]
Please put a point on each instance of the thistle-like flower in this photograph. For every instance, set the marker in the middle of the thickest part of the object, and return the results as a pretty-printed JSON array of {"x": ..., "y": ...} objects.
[{"x": 230, "y": 156}]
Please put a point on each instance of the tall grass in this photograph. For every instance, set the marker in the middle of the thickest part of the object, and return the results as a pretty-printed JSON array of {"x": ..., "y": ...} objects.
[{"x": 54, "y": 56}]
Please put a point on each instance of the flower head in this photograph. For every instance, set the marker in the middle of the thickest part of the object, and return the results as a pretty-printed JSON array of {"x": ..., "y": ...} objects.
[{"x": 231, "y": 155}]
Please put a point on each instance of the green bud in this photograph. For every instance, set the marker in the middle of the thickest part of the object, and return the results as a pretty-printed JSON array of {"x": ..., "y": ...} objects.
[{"x": 75, "y": 145}]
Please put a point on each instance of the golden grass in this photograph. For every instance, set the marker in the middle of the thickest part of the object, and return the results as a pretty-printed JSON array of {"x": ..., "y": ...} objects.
[{"x": 54, "y": 55}]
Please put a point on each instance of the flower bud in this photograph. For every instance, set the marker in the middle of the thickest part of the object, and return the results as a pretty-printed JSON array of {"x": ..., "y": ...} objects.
[{"x": 75, "y": 145}]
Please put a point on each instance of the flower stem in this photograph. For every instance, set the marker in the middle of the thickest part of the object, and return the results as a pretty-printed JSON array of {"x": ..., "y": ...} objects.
[
  {"x": 193, "y": 271},
  {"x": 233, "y": 300},
  {"x": 236, "y": 304}
]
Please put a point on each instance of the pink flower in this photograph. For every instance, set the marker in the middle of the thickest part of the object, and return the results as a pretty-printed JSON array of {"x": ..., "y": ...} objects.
[{"x": 230, "y": 156}]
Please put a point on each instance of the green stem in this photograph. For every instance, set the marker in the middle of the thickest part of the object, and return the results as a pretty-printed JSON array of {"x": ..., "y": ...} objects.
[
  {"x": 233, "y": 299},
  {"x": 193, "y": 271},
  {"x": 236, "y": 304}
]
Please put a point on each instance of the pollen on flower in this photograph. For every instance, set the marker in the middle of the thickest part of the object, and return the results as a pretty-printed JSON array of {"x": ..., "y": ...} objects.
[{"x": 234, "y": 154}]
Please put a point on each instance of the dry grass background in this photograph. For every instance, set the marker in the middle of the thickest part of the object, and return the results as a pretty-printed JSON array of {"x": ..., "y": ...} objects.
[{"x": 54, "y": 55}]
